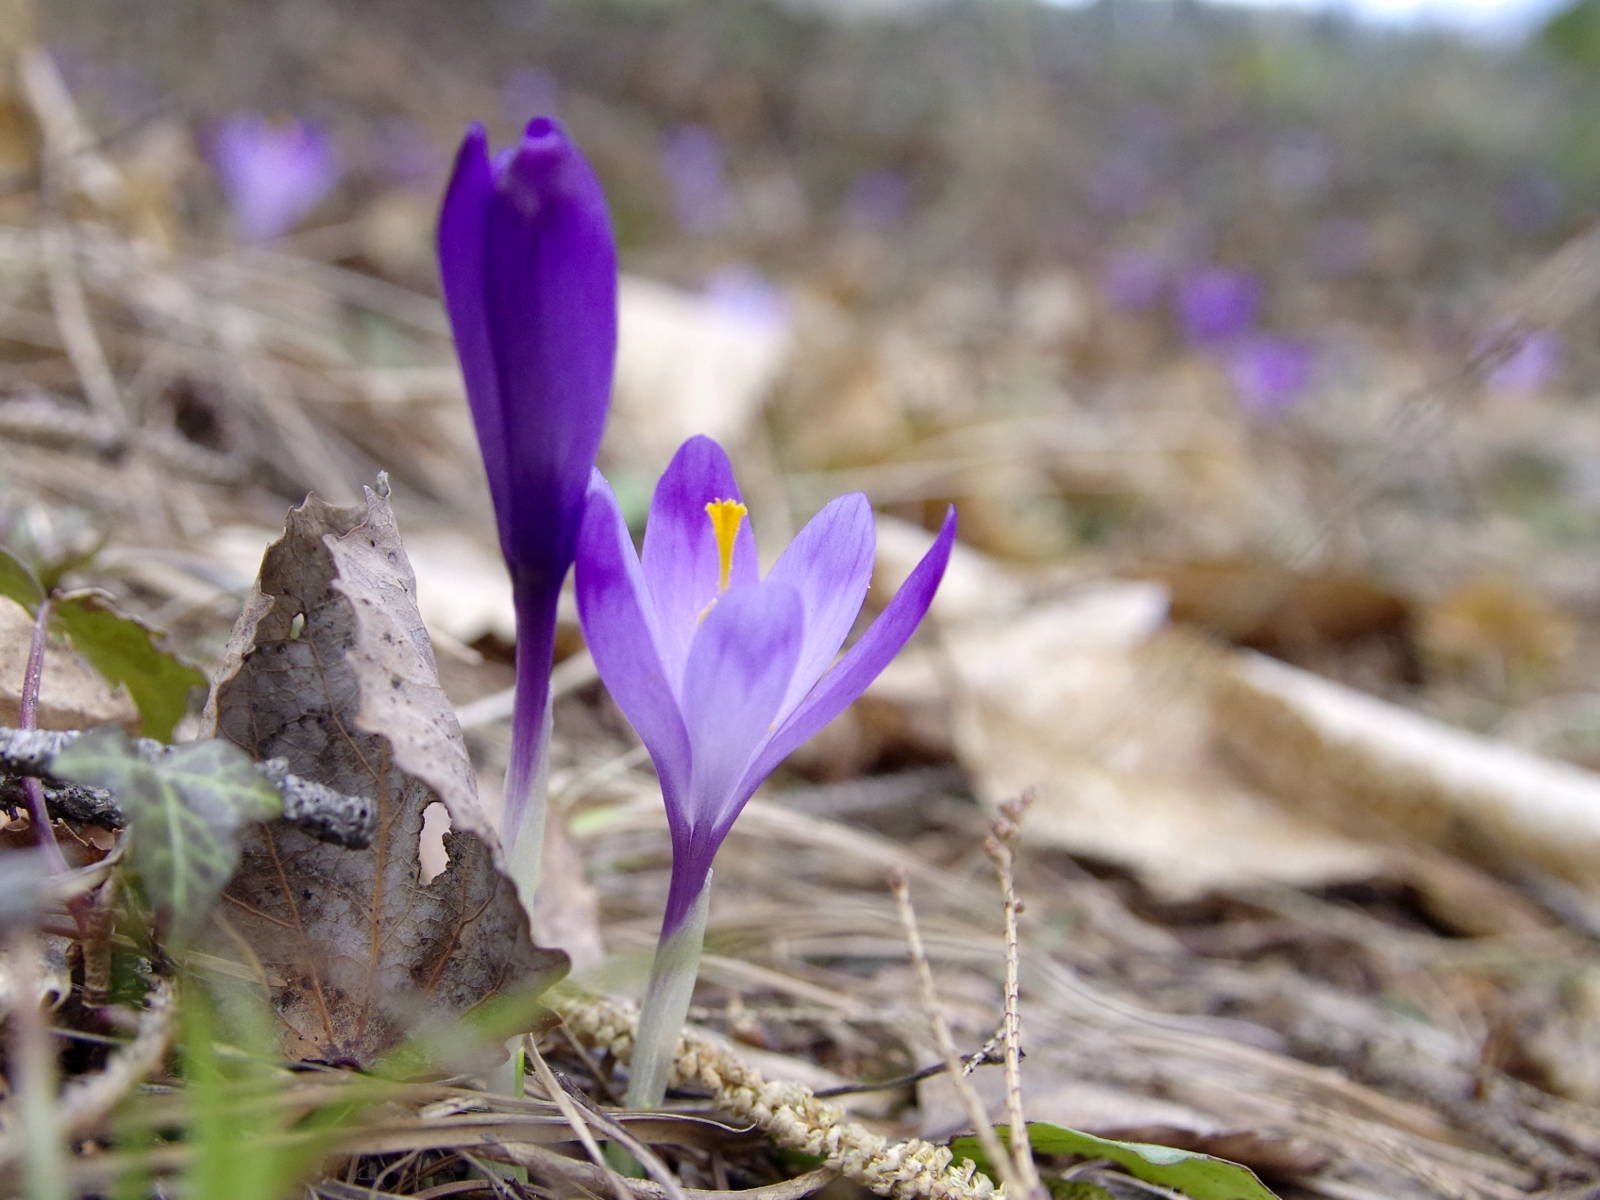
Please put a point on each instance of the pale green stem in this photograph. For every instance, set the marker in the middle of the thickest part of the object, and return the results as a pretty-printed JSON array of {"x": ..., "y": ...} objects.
[
  {"x": 524, "y": 859},
  {"x": 525, "y": 853},
  {"x": 666, "y": 1005}
]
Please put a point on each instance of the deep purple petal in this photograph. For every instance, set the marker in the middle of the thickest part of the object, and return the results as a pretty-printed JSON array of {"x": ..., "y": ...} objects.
[
  {"x": 549, "y": 273},
  {"x": 530, "y": 278},
  {"x": 461, "y": 252},
  {"x": 830, "y": 564},
  {"x": 619, "y": 628},
  {"x": 681, "y": 560},
  {"x": 739, "y": 669},
  {"x": 861, "y": 664}
]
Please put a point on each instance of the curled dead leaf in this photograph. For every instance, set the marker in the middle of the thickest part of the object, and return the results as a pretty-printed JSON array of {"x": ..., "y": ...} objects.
[{"x": 330, "y": 667}]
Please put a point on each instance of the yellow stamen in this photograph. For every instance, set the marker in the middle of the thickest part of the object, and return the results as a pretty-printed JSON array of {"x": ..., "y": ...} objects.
[{"x": 726, "y": 517}]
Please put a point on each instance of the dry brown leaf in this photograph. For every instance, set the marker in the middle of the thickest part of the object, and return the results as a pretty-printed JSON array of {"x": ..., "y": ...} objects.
[
  {"x": 1283, "y": 611},
  {"x": 1108, "y": 719},
  {"x": 330, "y": 667}
]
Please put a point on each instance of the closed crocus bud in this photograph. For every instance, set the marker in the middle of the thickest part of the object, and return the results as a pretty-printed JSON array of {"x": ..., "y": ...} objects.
[{"x": 530, "y": 281}]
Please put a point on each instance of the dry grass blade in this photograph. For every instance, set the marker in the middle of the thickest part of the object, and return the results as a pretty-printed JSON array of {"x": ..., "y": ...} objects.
[
  {"x": 575, "y": 1118},
  {"x": 589, "y": 1177},
  {"x": 996, "y": 1153}
]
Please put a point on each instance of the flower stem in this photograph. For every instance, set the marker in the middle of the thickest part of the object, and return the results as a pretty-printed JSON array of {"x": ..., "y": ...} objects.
[
  {"x": 528, "y": 771},
  {"x": 666, "y": 1003}
]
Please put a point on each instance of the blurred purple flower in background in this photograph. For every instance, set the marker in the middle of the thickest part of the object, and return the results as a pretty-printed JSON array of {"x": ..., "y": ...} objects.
[
  {"x": 877, "y": 199},
  {"x": 1531, "y": 366},
  {"x": 1269, "y": 373},
  {"x": 530, "y": 282},
  {"x": 1215, "y": 305},
  {"x": 691, "y": 158},
  {"x": 1135, "y": 280},
  {"x": 273, "y": 173}
]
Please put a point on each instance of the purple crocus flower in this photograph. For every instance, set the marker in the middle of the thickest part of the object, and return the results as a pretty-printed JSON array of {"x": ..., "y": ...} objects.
[
  {"x": 724, "y": 672},
  {"x": 1270, "y": 373},
  {"x": 1215, "y": 305},
  {"x": 273, "y": 174},
  {"x": 530, "y": 281}
]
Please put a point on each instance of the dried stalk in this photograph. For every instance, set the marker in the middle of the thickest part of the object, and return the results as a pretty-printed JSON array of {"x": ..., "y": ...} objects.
[
  {"x": 319, "y": 810},
  {"x": 789, "y": 1113}
]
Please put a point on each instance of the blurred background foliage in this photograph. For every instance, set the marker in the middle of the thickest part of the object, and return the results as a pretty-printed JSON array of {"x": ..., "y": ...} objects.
[{"x": 1170, "y": 283}]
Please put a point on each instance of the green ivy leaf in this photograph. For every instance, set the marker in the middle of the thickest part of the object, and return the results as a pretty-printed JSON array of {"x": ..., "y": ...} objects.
[
  {"x": 1199, "y": 1176},
  {"x": 124, "y": 651},
  {"x": 19, "y": 583},
  {"x": 184, "y": 816}
]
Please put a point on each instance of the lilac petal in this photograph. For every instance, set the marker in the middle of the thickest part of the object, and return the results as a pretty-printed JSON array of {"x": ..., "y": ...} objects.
[
  {"x": 738, "y": 672},
  {"x": 614, "y": 609},
  {"x": 681, "y": 560},
  {"x": 550, "y": 293},
  {"x": 461, "y": 253},
  {"x": 830, "y": 564},
  {"x": 861, "y": 664},
  {"x": 274, "y": 174}
]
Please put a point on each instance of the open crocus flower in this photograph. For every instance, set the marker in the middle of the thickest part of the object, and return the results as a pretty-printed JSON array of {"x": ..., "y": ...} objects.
[
  {"x": 724, "y": 672},
  {"x": 530, "y": 281}
]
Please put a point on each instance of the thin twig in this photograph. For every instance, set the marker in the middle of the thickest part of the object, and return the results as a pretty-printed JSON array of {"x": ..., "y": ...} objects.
[
  {"x": 315, "y": 808},
  {"x": 984, "y": 1056},
  {"x": 987, "y": 1138},
  {"x": 1001, "y": 849}
]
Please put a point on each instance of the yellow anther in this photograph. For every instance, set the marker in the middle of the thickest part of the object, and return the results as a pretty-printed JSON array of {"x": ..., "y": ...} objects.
[{"x": 726, "y": 516}]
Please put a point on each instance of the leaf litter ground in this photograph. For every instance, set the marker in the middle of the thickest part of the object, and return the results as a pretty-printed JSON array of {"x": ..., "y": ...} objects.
[{"x": 1369, "y": 1005}]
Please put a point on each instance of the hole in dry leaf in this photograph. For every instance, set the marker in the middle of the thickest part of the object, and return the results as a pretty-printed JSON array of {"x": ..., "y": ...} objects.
[{"x": 431, "y": 856}]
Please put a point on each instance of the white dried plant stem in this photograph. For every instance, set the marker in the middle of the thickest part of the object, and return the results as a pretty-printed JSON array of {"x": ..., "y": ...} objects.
[
  {"x": 789, "y": 1113},
  {"x": 1001, "y": 848}
]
